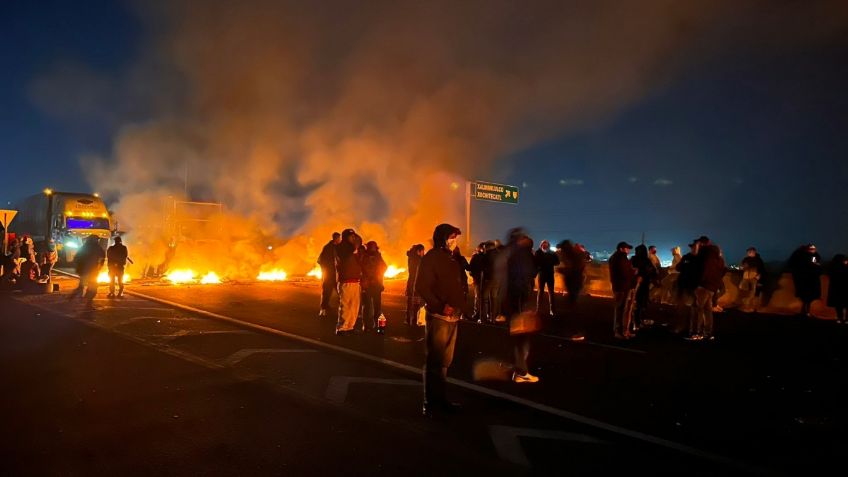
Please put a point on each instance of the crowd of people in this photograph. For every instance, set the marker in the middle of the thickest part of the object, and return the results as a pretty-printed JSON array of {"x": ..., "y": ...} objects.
[
  {"x": 23, "y": 268},
  {"x": 26, "y": 269},
  {"x": 513, "y": 284}
]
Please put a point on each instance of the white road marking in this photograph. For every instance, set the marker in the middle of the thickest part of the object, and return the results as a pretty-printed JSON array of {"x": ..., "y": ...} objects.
[
  {"x": 508, "y": 445},
  {"x": 338, "y": 385},
  {"x": 240, "y": 355},
  {"x": 658, "y": 441}
]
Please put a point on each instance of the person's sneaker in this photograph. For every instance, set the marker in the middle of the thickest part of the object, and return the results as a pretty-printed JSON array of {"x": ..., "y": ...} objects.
[
  {"x": 709, "y": 338},
  {"x": 500, "y": 319},
  {"x": 524, "y": 378},
  {"x": 323, "y": 312},
  {"x": 647, "y": 322},
  {"x": 694, "y": 338},
  {"x": 717, "y": 309}
]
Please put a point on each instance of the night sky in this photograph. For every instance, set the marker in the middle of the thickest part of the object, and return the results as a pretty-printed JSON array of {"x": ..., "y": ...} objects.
[{"x": 746, "y": 144}]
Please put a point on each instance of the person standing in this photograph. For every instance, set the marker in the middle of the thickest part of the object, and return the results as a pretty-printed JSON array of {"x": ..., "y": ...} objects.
[
  {"x": 546, "y": 260},
  {"x": 753, "y": 269},
  {"x": 712, "y": 269},
  {"x": 623, "y": 280},
  {"x": 491, "y": 284},
  {"x": 573, "y": 268},
  {"x": 327, "y": 262},
  {"x": 476, "y": 268},
  {"x": 88, "y": 262},
  {"x": 48, "y": 260},
  {"x": 523, "y": 321},
  {"x": 373, "y": 268},
  {"x": 646, "y": 274},
  {"x": 116, "y": 259},
  {"x": 440, "y": 287},
  {"x": 349, "y": 268},
  {"x": 413, "y": 298},
  {"x": 805, "y": 265},
  {"x": 837, "y": 288}
]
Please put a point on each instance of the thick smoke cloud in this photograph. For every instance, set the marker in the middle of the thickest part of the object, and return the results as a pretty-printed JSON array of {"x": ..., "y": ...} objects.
[{"x": 307, "y": 117}]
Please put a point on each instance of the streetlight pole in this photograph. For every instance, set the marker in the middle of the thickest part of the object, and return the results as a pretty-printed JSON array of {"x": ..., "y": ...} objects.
[{"x": 467, "y": 216}]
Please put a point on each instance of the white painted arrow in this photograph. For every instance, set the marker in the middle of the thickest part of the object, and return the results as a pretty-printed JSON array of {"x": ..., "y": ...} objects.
[
  {"x": 508, "y": 445},
  {"x": 240, "y": 355},
  {"x": 338, "y": 386}
]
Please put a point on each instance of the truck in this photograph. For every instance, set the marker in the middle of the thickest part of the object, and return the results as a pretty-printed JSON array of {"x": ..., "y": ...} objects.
[{"x": 67, "y": 218}]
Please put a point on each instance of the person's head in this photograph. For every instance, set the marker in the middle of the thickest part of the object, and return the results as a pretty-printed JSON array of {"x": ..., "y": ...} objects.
[
  {"x": 751, "y": 252},
  {"x": 445, "y": 236},
  {"x": 624, "y": 247},
  {"x": 372, "y": 247},
  {"x": 703, "y": 240},
  {"x": 490, "y": 245},
  {"x": 641, "y": 251},
  {"x": 811, "y": 248},
  {"x": 348, "y": 236},
  {"x": 51, "y": 245},
  {"x": 694, "y": 247},
  {"x": 337, "y": 238},
  {"x": 118, "y": 240},
  {"x": 92, "y": 240},
  {"x": 545, "y": 245},
  {"x": 652, "y": 249},
  {"x": 675, "y": 251}
]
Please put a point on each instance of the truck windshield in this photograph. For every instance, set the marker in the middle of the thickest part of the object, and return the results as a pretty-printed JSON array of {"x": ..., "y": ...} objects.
[{"x": 87, "y": 223}]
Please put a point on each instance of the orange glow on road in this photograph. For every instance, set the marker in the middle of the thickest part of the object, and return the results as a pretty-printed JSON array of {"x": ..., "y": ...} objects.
[{"x": 103, "y": 277}]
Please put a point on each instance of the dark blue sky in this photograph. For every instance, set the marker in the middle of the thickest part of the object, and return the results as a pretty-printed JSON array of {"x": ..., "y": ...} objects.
[{"x": 748, "y": 146}]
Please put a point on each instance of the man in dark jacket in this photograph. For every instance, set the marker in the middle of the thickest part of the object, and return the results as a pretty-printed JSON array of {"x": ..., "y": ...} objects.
[
  {"x": 116, "y": 258},
  {"x": 622, "y": 279},
  {"x": 440, "y": 286},
  {"x": 373, "y": 269},
  {"x": 646, "y": 273},
  {"x": 349, "y": 271},
  {"x": 690, "y": 274},
  {"x": 413, "y": 298},
  {"x": 327, "y": 262},
  {"x": 805, "y": 265},
  {"x": 713, "y": 268},
  {"x": 521, "y": 270},
  {"x": 545, "y": 260},
  {"x": 88, "y": 262},
  {"x": 476, "y": 267}
]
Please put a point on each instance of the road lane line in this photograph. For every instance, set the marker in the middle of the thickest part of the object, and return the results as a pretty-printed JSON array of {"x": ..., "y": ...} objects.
[
  {"x": 588, "y": 421},
  {"x": 507, "y": 443},
  {"x": 338, "y": 386},
  {"x": 240, "y": 355}
]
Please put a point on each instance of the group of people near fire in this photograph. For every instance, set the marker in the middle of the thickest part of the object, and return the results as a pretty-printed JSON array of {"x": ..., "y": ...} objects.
[
  {"x": 25, "y": 269},
  {"x": 513, "y": 284}
]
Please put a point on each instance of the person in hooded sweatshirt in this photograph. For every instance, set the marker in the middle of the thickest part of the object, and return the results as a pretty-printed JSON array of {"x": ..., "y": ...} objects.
[
  {"x": 440, "y": 285},
  {"x": 837, "y": 288},
  {"x": 521, "y": 272},
  {"x": 476, "y": 267},
  {"x": 806, "y": 268},
  {"x": 373, "y": 268},
  {"x": 413, "y": 298},
  {"x": 349, "y": 270}
]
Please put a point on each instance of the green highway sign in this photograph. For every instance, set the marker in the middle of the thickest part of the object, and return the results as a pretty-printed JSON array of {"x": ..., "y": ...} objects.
[{"x": 494, "y": 192}]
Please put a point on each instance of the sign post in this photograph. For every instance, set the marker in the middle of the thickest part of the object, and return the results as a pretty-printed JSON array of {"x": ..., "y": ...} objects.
[
  {"x": 6, "y": 216},
  {"x": 488, "y": 191}
]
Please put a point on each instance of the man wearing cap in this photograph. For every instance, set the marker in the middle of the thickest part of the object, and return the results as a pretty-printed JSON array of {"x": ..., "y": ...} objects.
[
  {"x": 622, "y": 278},
  {"x": 116, "y": 258},
  {"x": 327, "y": 262},
  {"x": 440, "y": 286}
]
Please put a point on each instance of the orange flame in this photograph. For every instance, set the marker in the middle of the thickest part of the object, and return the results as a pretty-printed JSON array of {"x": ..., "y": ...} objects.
[
  {"x": 103, "y": 277},
  {"x": 275, "y": 275},
  {"x": 393, "y": 271},
  {"x": 180, "y": 276},
  {"x": 315, "y": 272},
  {"x": 210, "y": 279}
]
